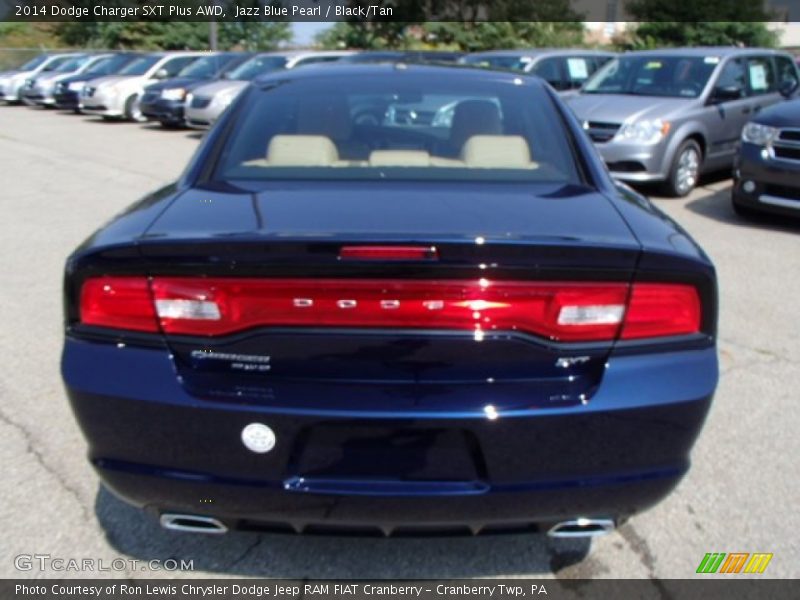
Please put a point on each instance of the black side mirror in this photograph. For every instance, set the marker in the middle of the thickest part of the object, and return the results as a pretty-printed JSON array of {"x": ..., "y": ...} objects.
[
  {"x": 788, "y": 87},
  {"x": 726, "y": 94}
]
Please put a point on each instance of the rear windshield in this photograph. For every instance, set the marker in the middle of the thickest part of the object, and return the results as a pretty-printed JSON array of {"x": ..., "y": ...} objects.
[
  {"x": 669, "y": 76},
  {"x": 140, "y": 66},
  {"x": 256, "y": 66},
  {"x": 397, "y": 128},
  {"x": 514, "y": 63}
]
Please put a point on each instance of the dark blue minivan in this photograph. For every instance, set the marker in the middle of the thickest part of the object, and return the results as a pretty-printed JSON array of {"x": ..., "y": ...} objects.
[{"x": 392, "y": 298}]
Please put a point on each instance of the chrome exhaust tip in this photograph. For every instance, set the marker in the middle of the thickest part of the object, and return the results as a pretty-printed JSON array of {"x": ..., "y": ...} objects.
[
  {"x": 581, "y": 528},
  {"x": 192, "y": 523}
]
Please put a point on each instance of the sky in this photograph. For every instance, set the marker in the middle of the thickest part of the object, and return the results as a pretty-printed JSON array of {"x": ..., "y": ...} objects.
[{"x": 304, "y": 31}]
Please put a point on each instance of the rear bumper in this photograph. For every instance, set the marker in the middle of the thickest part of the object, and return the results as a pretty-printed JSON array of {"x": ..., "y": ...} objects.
[{"x": 164, "y": 450}]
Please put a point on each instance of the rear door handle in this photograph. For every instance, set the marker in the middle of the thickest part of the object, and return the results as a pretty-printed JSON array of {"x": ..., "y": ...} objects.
[{"x": 746, "y": 111}]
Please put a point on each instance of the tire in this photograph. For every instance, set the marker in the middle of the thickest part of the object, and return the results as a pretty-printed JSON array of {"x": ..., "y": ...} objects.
[
  {"x": 745, "y": 212},
  {"x": 132, "y": 111},
  {"x": 685, "y": 170}
]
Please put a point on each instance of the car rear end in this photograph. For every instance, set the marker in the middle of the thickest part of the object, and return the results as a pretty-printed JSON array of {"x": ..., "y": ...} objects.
[{"x": 396, "y": 356}]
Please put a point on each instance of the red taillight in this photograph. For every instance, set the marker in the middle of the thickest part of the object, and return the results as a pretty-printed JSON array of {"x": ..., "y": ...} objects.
[
  {"x": 661, "y": 309},
  {"x": 562, "y": 311},
  {"x": 388, "y": 253},
  {"x": 118, "y": 302}
]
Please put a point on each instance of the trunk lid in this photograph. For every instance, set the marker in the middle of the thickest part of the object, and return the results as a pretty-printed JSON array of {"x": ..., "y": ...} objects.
[{"x": 296, "y": 230}]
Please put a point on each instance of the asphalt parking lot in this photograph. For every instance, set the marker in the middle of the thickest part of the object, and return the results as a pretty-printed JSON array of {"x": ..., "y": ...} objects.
[{"x": 63, "y": 175}]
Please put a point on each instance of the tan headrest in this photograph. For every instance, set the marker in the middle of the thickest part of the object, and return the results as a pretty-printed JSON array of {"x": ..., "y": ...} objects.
[
  {"x": 399, "y": 158},
  {"x": 301, "y": 151},
  {"x": 497, "y": 151}
]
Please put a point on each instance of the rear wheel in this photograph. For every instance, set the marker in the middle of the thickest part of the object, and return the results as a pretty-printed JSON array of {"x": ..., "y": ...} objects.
[
  {"x": 685, "y": 169},
  {"x": 133, "y": 111}
]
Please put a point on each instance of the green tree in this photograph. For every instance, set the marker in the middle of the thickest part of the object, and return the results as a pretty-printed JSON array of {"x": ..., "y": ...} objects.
[
  {"x": 463, "y": 24},
  {"x": 700, "y": 23},
  {"x": 174, "y": 35},
  {"x": 473, "y": 37}
]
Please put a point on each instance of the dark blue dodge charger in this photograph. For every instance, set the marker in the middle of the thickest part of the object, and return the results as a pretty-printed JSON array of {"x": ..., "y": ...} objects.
[{"x": 397, "y": 299}]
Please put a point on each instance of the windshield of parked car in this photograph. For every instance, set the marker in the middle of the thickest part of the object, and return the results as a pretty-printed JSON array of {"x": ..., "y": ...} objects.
[
  {"x": 256, "y": 66},
  {"x": 56, "y": 63},
  {"x": 514, "y": 63},
  {"x": 391, "y": 127},
  {"x": 112, "y": 64},
  {"x": 33, "y": 63},
  {"x": 204, "y": 68},
  {"x": 72, "y": 65},
  {"x": 140, "y": 66},
  {"x": 653, "y": 75}
]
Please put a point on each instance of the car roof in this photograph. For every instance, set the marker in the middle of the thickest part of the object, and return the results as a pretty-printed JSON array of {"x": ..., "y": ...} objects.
[
  {"x": 721, "y": 51},
  {"x": 543, "y": 51},
  {"x": 434, "y": 71}
]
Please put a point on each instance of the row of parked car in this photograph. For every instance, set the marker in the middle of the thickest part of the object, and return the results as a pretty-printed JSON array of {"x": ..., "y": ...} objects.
[{"x": 662, "y": 116}]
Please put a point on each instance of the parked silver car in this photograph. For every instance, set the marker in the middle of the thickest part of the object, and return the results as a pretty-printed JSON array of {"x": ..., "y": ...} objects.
[
  {"x": 117, "y": 96},
  {"x": 564, "y": 69},
  {"x": 12, "y": 82},
  {"x": 669, "y": 115},
  {"x": 206, "y": 103},
  {"x": 40, "y": 90}
]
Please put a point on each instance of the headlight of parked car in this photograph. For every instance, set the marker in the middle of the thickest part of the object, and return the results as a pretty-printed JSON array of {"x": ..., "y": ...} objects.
[
  {"x": 77, "y": 86},
  {"x": 758, "y": 134},
  {"x": 173, "y": 94},
  {"x": 648, "y": 131}
]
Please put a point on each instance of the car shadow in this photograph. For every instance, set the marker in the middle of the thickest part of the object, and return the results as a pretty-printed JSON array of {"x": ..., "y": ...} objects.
[
  {"x": 132, "y": 532},
  {"x": 716, "y": 204}
]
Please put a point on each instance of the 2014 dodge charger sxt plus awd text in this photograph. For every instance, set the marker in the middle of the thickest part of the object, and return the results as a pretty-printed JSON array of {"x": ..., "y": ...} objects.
[{"x": 392, "y": 298}]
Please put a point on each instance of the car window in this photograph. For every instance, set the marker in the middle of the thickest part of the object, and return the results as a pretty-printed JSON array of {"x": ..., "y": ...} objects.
[
  {"x": 309, "y": 60},
  {"x": 56, "y": 63},
  {"x": 549, "y": 69},
  {"x": 761, "y": 75},
  {"x": 511, "y": 62},
  {"x": 787, "y": 71},
  {"x": 256, "y": 66},
  {"x": 112, "y": 64},
  {"x": 174, "y": 66},
  {"x": 654, "y": 75},
  {"x": 204, "y": 68},
  {"x": 73, "y": 64},
  {"x": 389, "y": 128},
  {"x": 33, "y": 63},
  {"x": 733, "y": 75},
  {"x": 140, "y": 66},
  {"x": 578, "y": 69}
]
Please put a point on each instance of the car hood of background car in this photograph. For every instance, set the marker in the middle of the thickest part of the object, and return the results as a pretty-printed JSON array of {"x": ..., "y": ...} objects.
[
  {"x": 783, "y": 114},
  {"x": 111, "y": 80},
  {"x": 429, "y": 211},
  {"x": 217, "y": 87},
  {"x": 620, "y": 108}
]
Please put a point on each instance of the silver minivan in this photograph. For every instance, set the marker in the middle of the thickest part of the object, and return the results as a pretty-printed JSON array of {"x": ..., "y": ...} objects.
[{"x": 669, "y": 115}]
